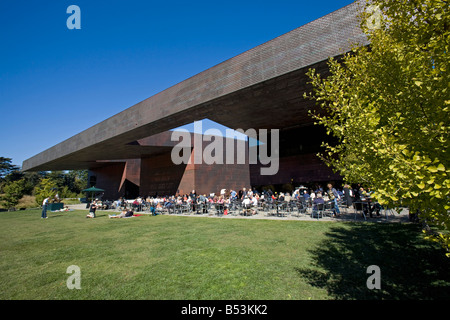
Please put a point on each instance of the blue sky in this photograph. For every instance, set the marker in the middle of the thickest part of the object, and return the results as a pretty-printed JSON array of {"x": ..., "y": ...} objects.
[{"x": 56, "y": 82}]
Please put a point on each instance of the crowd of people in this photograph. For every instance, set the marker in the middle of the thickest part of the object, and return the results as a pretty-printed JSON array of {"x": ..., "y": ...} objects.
[{"x": 250, "y": 200}]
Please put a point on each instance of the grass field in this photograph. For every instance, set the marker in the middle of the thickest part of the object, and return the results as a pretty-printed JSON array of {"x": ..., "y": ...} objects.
[{"x": 174, "y": 257}]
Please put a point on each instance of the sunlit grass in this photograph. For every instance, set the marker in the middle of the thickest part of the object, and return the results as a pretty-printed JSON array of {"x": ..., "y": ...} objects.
[{"x": 173, "y": 257}]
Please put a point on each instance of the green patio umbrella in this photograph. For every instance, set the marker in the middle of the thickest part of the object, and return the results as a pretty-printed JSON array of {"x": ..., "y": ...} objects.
[{"x": 93, "y": 190}]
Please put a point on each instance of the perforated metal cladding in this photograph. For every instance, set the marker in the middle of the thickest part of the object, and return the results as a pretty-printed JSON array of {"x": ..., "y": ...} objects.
[
  {"x": 314, "y": 42},
  {"x": 328, "y": 36}
]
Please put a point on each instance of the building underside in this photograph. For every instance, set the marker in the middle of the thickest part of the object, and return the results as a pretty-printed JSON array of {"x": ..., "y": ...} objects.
[{"x": 129, "y": 154}]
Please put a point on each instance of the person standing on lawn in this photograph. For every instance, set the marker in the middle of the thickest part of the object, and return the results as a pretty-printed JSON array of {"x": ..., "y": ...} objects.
[{"x": 44, "y": 208}]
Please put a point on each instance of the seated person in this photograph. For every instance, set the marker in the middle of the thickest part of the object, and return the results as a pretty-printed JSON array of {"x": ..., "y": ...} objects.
[
  {"x": 254, "y": 205},
  {"x": 317, "y": 201},
  {"x": 90, "y": 215},
  {"x": 124, "y": 214},
  {"x": 156, "y": 210},
  {"x": 247, "y": 204},
  {"x": 92, "y": 209}
]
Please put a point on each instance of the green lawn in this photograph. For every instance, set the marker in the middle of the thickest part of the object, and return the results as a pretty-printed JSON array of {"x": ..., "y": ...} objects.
[{"x": 170, "y": 257}]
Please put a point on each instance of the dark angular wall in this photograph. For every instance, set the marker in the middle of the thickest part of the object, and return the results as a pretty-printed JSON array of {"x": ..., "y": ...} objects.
[
  {"x": 159, "y": 176},
  {"x": 109, "y": 178}
]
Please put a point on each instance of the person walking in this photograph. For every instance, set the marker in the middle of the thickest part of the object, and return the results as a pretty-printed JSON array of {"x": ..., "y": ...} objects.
[
  {"x": 334, "y": 196},
  {"x": 348, "y": 195},
  {"x": 44, "y": 208}
]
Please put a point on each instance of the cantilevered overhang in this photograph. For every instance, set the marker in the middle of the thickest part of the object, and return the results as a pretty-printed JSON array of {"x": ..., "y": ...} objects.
[{"x": 260, "y": 88}]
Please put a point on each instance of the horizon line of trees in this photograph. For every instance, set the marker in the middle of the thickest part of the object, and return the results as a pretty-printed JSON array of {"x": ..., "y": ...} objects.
[{"x": 14, "y": 184}]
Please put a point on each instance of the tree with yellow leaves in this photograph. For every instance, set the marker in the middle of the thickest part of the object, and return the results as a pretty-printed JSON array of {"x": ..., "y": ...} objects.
[{"x": 388, "y": 105}]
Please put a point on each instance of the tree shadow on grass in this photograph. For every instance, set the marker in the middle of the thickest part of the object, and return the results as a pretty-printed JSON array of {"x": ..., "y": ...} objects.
[{"x": 410, "y": 267}]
